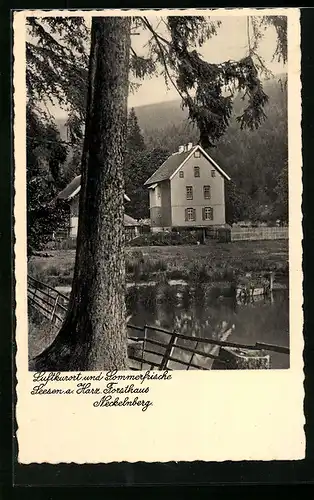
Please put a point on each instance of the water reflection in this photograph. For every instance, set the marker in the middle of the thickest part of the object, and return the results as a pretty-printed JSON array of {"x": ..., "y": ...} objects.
[{"x": 200, "y": 311}]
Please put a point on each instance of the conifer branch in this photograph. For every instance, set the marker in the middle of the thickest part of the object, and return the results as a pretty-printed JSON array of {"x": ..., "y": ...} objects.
[{"x": 161, "y": 49}]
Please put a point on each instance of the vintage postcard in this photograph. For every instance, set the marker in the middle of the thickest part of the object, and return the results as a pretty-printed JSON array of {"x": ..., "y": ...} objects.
[{"x": 158, "y": 227}]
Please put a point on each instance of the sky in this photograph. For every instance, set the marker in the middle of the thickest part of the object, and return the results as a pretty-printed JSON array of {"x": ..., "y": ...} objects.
[{"x": 230, "y": 43}]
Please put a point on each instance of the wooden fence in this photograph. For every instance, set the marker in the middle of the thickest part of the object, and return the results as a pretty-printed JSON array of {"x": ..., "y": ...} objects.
[
  {"x": 259, "y": 233},
  {"x": 48, "y": 301},
  {"x": 150, "y": 347}
]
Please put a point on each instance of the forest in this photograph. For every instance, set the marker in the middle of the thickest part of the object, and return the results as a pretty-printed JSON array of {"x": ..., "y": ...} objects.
[{"x": 256, "y": 160}]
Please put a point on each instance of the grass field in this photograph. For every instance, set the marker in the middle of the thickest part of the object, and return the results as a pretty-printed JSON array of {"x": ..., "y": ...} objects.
[{"x": 214, "y": 261}]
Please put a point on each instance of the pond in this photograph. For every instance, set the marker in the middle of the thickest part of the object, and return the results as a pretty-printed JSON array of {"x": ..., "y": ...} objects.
[{"x": 200, "y": 311}]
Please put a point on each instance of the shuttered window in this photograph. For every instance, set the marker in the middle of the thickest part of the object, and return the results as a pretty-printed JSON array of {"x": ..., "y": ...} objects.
[
  {"x": 189, "y": 192},
  {"x": 208, "y": 213},
  {"x": 190, "y": 214},
  {"x": 213, "y": 173},
  {"x": 181, "y": 174},
  {"x": 206, "y": 190}
]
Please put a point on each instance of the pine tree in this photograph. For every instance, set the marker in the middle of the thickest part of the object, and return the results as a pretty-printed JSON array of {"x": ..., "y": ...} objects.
[
  {"x": 135, "y": 140},
  {"x": 145, "y": 164},
  {"x": 93, "y": 336}
]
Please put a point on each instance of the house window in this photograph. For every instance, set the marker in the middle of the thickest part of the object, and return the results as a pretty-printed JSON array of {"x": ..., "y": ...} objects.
[
  {"x": 208, "y": 213},
  {"x": 158, "y": 194},
  {"x": 190, "y": 214},
  {"x": 197, "y": 154},
  {"x": 206, "y": 192},
  {"x": 213, "y": 173},
  {"x": 189, "y": 192},
  {"x": 181, "y": 174},
  {"x": 196, "y": 171}
]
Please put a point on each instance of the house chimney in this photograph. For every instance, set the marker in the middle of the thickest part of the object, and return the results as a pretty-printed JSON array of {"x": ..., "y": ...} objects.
[
  {"x": 189, "y": 146},
  {"x": 181, "y": 149}
]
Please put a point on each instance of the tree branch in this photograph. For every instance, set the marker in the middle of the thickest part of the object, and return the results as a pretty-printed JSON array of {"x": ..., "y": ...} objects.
[
  {"x": 161, "y": 48},
  {"x": 35, "y": 24},
  {"x": 154, "y": 33},
  {"x": 248, "y": 33}
]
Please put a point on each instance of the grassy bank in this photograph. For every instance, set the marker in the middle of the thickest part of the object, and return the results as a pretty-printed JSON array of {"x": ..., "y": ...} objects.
[
  {"x": 41, "y": 334},
  {"x": 212, "y": 262}
]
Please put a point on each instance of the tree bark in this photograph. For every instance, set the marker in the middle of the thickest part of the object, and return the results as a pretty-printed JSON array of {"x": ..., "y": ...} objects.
[{"x": 94, "y": 335}]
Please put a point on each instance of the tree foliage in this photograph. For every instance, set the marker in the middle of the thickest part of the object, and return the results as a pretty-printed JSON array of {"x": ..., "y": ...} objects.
[
  {"x": 207, "y": 90},
  {"x": 57, "y": 64},
  {"x": 140, "y": 163},
  {"x": 56, "y": 72},
  {"x": 282, "y": 191},
  {"x": 45, "y": 156},
  {"x": 58, "y": 61}
]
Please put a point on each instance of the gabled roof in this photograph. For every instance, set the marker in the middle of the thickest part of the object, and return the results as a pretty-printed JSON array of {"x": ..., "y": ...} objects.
[
  {"x": 73, "y": 188},
  {"x": 174, "y": 162},
  {"x": 168, "y": 167},
  {"x": 129, "y": 221}
]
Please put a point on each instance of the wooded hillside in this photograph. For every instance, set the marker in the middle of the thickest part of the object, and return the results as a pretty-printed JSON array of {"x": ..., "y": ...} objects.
[{"x": 255, "y": 160}]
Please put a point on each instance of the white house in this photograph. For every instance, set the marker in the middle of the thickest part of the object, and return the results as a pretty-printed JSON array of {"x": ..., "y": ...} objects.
[{"x": 187, "y": 190}]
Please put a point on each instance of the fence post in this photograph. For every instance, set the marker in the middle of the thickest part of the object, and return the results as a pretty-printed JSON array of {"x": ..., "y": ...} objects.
[
  {"x": 168, "y": 352},
  {"x": 192, "y": 357},
  {"x": 271, "y": 281},
  {"x": 144, "y": 345},
  {"x": 173, "y": 344},
  {"x": 54, "y": 308}
]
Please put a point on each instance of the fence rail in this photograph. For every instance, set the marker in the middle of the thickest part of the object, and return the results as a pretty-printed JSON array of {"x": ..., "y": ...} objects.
[
  {"x": 152, "y": 347},
  {"x": 259, "y": 233}
]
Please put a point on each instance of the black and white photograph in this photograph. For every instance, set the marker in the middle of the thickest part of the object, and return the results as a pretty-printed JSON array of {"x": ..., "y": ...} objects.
[
  {"x": 158, "y": 230},
  {"x": 157, "y": 192}
]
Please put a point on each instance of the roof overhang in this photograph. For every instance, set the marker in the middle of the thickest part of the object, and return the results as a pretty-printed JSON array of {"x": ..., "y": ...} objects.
[
  {"x": 78, "y": 189},
  {"x": 195, "y": 148},
  {"x": 75, "y": 192},
  {"x": 153, "y": 186},
  {"x": 209, "y": 158}
]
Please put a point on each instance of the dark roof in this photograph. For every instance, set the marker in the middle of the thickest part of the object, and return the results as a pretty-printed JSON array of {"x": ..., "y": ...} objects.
[
  {"x": 168, "y": 167},
  {"x": 171, "y": 165},
  {"x": 70, "y": 189}
]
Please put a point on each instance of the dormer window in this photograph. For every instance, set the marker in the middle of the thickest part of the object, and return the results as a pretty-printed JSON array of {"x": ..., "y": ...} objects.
[{"x": 196, "y": 171}]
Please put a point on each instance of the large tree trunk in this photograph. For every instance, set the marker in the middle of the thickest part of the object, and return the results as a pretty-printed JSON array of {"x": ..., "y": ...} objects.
[{"x": 94, "y": 336}]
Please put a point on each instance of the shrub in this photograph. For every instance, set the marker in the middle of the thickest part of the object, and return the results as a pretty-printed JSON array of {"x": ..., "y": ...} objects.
[
  {"x": 143, "y": 269},
  {"x": 166, "y": 239}
]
